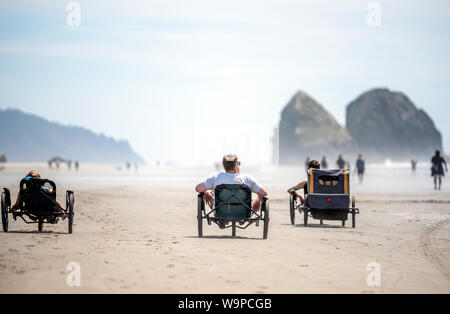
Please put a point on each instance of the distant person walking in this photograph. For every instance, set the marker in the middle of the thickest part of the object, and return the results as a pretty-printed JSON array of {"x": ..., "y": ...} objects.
[
  {"x": 307, "y": 164},
  {"x": 77, "y": 165},
  {"x": 413, "y": 165},
  {"x": 340, "y": 162},
  {"x": 361, "y": 168},
  {"x": 437, "y": 169},
  {"x": 324, "y": 163}
]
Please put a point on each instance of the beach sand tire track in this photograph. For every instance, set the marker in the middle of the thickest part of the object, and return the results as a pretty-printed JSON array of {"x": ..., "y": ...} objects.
[{"x": 431, "y": 251}]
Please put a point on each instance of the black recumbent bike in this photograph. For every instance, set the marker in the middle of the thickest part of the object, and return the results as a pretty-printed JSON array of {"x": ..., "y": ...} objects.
[
  {"x": 232, "y": 209},
  {"x": 37, "y": 204}
]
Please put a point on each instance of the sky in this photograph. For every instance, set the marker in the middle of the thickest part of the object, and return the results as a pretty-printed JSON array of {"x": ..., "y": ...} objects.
[{"x": 188, "y": 81}]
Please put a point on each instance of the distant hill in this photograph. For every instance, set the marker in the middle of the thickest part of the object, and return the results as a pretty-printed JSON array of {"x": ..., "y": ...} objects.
[
  {"x": 380, "y": 124},
  {"x": 307, "y": 129},
  {"x": 29, "y": 138},
  {"x": 387, "y": 123}
]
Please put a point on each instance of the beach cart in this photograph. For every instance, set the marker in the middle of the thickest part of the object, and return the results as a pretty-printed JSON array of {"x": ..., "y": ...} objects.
[{"x": 327, "y": 197}]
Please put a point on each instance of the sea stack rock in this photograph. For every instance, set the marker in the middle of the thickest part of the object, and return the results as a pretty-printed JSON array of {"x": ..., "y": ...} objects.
[
  {"x": 307, "y": 129},
  {"x": 387, "y": 124}
]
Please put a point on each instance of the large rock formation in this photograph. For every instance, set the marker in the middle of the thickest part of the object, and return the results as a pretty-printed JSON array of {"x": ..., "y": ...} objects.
[
  {"x": 387, "y": 124},
  {"x": 29, "y": 138},
  {"x": 307, "y": 129}
]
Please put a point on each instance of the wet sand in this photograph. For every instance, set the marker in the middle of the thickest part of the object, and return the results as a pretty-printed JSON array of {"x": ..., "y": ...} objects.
[{"x": 137, "y": 233}]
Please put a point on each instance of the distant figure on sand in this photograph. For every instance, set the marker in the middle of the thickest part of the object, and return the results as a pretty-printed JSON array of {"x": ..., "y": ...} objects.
[
  {"x": 360, "y": 167},
  {"x": 306, "y": 164},
  {"x": 324, "y": 163},
  {"x": 312, "y": 164},
  {"x": 77, "y": 165},
  {"x": 340, "y": 162},
  {"x": 437, "y": 169},
  {"x": 232, "y": 175},
  {"x": 413, "y": 165}
]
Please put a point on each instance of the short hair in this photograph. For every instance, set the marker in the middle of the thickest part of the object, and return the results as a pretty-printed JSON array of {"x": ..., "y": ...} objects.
[
  {"x": 229, "y": 162},
  {"x": 33, "y": 174},
  {"x": 314, "y": 164},
  {"x": 438, "y": 152}
]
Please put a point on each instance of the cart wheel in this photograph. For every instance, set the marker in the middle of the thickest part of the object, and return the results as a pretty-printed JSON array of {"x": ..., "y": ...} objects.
[
  {"x": 200, "y": 215},
  {"x": 353, "y": 212},
  {"x": 321, "y": 221},
  {"x": 4, "y": 213},
  {"x": 41, "y": 225},
  {"x": 343, "y": 223},
  {"x": 266, "y": 220},
  {"x": 233, "y": 228},
  {"x": 70, "y": 206},
  {"x": 305, "y": 217},
  {"x": 292, "y": 209}
]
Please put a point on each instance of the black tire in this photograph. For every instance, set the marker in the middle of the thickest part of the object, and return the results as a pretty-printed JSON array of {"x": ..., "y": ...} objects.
[
  {"x": 353, "y": 212},
  {"x": 305, "y": 217},
  {"x": 70, "y": 206},
  {"x": 200, "y": 204},
  {"x": 41, "y": 225},
  {"x": 266, "y": 220},
  {"x": 292, "y": 209},
  {"x": 233, "y": 228},
  {"x": 4, "y": 213}
]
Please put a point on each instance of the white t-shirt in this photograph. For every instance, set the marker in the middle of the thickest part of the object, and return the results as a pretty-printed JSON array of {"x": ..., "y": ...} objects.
[{"x": 231, "y": 178}]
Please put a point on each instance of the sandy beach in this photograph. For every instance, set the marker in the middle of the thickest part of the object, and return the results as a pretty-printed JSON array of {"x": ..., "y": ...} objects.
[{"x": 137, "y": 233}]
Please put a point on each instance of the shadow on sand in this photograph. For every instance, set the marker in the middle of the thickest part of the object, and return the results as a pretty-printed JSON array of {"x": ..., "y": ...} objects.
[
  {"x": 222, "y": 237},
  {"x": 324, "y": 226},
  {"x": 35, "y": 232}
]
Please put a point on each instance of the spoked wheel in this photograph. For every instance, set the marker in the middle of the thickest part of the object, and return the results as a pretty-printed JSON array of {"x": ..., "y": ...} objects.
[
  {"x": 292, "y": 208},
  {"x": 41, "y": 225},
  {"x": 200, "y": 205},
  {"x": 70, "y": 200},
  {"x": 266, "y": 220},
  {"x": 353, "y": 212},
  {"x": 233, "y": 228},
  {"x": 305, "y": 217},
  {"x": 4, "y": 213}
]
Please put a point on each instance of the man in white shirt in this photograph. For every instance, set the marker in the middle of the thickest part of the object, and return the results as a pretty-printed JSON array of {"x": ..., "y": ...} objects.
[{"x": 231, "y": 175}]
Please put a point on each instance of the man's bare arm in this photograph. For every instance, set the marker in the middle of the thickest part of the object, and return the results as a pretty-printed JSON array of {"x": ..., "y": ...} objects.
[
  {"x": 262, "y": 193},
  {"x": 200, "y": 188}
]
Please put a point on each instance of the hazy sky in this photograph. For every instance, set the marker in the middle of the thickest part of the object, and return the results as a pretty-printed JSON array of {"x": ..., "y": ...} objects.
[{"x": 191, "y": 80}]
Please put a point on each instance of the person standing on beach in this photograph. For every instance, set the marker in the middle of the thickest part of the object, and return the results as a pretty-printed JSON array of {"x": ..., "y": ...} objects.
[
  {"x": 340, "y": 162},
  {"x": 413, "y": 165},
  {"x": 324, "y": 163},
  {"x": 232, "y": 175},
  {"x": 361, "y": 168},
  {"x": 306, "y": 164},
  {"x": 437, "y": 169}
]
